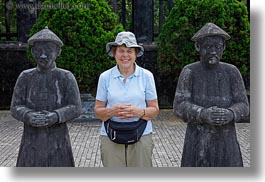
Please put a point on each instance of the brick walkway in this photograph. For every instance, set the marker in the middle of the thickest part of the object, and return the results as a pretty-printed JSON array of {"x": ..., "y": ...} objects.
[{"x": 168, "y": 137}]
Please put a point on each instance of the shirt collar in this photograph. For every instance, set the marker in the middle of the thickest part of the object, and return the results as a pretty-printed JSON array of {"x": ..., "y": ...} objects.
[{"x": 116, "y": 73}]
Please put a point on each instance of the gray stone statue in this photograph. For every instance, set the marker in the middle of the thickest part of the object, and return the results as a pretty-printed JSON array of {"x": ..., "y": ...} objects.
[
  {"x": 211, "y": 96},
  {"x": 44, "y": 99}
]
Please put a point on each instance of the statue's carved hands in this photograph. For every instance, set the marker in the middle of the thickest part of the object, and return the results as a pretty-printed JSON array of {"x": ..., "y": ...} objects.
[
  {"x": 42, "y": 118},
  {"x": 36, "y": 119},
  {"x": 51, "y": 118},
  {"x": 222, "y": 116},
  {"x": 217, "y": 116}
]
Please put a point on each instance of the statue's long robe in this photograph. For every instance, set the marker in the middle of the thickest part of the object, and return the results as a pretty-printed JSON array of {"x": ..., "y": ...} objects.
[
  {"x": 200, "y": 87},
  {"x": 54, "y": 91}
]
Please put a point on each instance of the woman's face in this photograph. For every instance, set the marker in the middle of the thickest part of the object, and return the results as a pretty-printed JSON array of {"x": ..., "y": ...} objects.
[{"x": 125, "y": 56}]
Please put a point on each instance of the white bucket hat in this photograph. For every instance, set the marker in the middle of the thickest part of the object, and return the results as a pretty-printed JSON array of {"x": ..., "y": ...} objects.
[{"x": 127, "y": 38}]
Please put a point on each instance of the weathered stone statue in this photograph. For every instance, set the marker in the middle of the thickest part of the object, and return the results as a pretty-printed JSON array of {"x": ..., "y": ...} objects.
[
  {"x": 45, "y": 98},
  {"x": 210, "y": 96}
]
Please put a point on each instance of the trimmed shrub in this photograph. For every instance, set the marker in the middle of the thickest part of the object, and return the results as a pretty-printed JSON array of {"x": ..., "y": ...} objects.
[
  {"x": 175, "y": 48},
  {"x": 84, "y": 26}
]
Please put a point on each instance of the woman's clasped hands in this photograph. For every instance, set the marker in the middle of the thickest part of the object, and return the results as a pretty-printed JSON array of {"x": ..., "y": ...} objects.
[{"x": 126, "y": 111}]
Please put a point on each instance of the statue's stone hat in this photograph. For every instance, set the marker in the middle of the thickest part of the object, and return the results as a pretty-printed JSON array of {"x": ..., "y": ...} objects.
[
  {"x": 210, "y": 29},
  {"x": 127, "y": 38},
  {"x": 45, "y": 35}
]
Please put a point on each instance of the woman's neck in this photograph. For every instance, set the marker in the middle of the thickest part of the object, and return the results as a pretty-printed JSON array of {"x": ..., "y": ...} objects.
[{"x": 126, "y": 72}]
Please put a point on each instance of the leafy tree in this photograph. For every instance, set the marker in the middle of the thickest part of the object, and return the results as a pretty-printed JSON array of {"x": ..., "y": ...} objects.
[
  {"x": 85, "y": 26},
  {"x": 175, "y": 48}
]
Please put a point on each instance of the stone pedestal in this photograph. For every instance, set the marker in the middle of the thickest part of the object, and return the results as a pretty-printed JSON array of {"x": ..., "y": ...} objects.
[
  {"x": 88, "y": 103},
  {"x": 149, "y": 61},
  {"x": 13, "y": 60}
]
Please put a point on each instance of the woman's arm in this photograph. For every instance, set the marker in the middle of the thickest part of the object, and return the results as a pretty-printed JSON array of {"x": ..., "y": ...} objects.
[
  {"x": 126, "y": 111},
  {"x": 104, "y": 113},
  {"x": 151, "y": 111}
]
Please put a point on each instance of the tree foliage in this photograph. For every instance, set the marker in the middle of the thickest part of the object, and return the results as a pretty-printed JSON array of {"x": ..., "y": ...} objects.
[
  {"x": 84, "y": 26},
  {"x": 175, "y": 48}
]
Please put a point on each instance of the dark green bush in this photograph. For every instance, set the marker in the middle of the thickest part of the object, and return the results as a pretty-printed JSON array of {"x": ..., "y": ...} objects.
[
  {"x": 84, "y": 31},
  {"x": 175, "y": 48}
]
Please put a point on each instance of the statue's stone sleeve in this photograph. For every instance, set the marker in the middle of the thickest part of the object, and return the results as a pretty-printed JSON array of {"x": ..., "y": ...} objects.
[
  {"x": 18, "y": 104},
  {"x": 72, "y": 97},
  {"x": 182, "y": 106},
  {"x": 63, "y": 96},
  {"x": 240, "y": 106}
]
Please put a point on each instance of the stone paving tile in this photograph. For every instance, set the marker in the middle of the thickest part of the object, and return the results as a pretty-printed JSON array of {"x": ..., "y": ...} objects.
[{"x": 168, "y": 137}]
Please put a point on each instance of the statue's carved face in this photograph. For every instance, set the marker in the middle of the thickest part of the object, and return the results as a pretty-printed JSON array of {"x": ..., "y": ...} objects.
[
  {"x": 211, "y": 49},
  {"x": 45, "y": 54}
]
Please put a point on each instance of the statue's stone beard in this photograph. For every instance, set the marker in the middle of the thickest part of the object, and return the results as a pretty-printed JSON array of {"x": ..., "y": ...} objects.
[
  {"x": 45, "y": 67},
  {"x": 211, "y": 60}
]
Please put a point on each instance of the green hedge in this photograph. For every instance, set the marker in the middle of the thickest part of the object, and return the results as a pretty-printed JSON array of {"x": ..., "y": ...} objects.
[
  {"x": 84, "y": 32},
  {"x": 175, "y": 48}
]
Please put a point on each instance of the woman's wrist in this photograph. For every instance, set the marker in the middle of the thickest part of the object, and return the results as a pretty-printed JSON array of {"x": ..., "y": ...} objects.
[{"x": 142, "y": 113}]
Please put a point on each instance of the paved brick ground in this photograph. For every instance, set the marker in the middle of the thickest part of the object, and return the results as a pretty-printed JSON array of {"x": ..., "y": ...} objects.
[{"x": 168, "y": 137}]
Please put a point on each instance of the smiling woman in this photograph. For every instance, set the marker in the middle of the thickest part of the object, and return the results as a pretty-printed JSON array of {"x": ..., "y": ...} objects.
[
  {"x": 125, "y": 59},
  {"x": 126, "y": 93}
]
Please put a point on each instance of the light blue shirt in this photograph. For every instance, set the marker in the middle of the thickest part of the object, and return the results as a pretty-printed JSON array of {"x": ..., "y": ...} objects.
[{"x": 138, "y": 88}]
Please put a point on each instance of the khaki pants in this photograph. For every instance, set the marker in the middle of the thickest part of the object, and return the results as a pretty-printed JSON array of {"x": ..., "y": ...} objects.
[{"x": 120, "y": 155}]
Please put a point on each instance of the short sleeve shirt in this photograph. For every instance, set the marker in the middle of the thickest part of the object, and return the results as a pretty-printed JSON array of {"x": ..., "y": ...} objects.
[{"x": 136, "y": 90}]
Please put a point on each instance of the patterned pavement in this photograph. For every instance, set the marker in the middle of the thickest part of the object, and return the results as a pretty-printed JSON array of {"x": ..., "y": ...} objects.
[{"x": 168, "y": 137}]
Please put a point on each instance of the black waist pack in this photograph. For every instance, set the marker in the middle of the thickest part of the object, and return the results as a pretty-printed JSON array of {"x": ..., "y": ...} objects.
[{"x": 125, "y": 132}]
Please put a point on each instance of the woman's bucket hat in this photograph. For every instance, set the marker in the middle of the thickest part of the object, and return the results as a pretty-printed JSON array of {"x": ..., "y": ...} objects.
[{"x": 127, "y": 38}]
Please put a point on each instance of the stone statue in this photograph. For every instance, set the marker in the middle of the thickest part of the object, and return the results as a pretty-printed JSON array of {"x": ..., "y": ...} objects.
[
  {"x": 211, "y": 96},
  {"x": 44, "y": 99}
]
